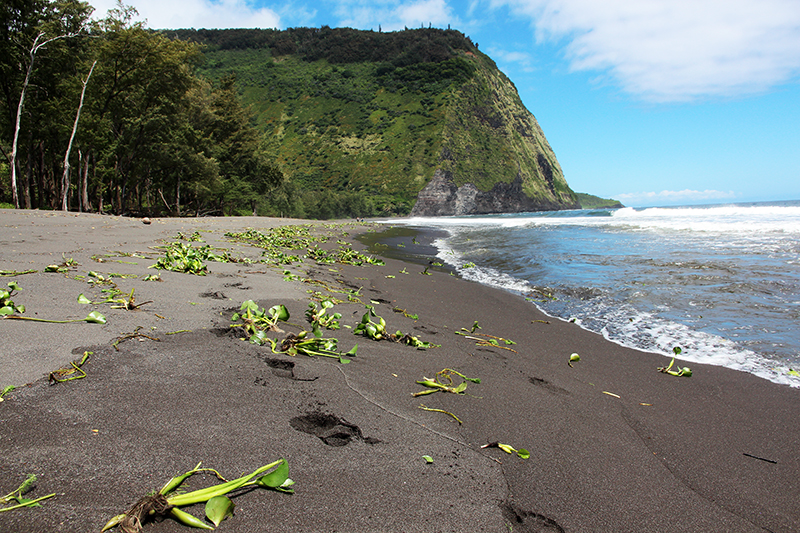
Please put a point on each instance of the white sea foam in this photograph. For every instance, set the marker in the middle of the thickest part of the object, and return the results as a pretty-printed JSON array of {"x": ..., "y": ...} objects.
[
  {"x": 724, "y": 219},
  {"x": 701, "y": 254}
]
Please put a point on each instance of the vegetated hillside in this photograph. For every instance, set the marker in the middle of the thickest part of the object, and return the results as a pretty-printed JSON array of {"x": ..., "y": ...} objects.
[
  {"x": 590, "y": 201},
  {"x": 378, "y": 114}
]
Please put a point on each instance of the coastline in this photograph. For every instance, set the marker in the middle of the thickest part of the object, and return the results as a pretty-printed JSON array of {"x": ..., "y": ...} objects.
[{"x": 714, "y": 452}]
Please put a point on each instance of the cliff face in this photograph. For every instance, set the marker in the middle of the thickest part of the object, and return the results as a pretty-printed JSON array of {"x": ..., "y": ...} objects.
[
  {"x": 416, "y": 121},
  {"x": 494, "y": 157},
  {"x": 442, "y": 197}
]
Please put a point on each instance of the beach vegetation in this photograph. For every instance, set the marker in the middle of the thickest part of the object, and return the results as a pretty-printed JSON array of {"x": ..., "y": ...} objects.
[
  {"x": 483, "y": 339},
  {"x": 255, "y": 319},
  {"x": 373, "y": 327},
  {"x": 574, "y": 358},
  {"x": 677, "y": 371},
  {"x": 443, "y": 382},
  {"x": 302, "y": 343},
  {"x": 17, "y": 495},
  {"x": 169, "y": 501},
  {"x": 6, "y": 390},
  {"x": 7, "y": 305},
  {"x": 432, "y": 409},
  {"x": 182, "y": 257},
  {"x": 94, "y": 317},
  {"x": 522, "y": 452},
  {"x": 318, "y": 317},
  {"x": 74, "y": 371}
]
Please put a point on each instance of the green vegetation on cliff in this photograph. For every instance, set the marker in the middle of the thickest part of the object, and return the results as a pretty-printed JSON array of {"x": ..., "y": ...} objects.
[
  {"x": 358, "y": 121},
  {"x": 589, "y": 201}
]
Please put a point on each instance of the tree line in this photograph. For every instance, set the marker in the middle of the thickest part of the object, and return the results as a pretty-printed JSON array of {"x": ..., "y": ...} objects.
[{"x": 108, "y": 116}]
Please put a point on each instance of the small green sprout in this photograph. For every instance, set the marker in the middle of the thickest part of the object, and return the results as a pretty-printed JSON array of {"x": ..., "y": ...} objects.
[{"x": 574, "y": 358}]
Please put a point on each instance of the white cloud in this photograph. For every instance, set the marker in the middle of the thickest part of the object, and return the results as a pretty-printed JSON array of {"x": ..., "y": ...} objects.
[
  {"x": 196, "y": 13},
  {"x": 674, "y": 50},
  {"x": 523, "y": 59},
  {"x": 393, "y": 15},
  {"x": 672, "y": 197}
]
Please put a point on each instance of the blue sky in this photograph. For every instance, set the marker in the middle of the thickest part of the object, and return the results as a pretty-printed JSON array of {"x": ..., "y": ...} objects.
[{"x": 651, "y": 102}]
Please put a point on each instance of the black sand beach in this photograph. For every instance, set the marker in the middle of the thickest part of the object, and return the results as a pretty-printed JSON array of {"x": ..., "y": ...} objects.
[{"x": 614, "y": 444}]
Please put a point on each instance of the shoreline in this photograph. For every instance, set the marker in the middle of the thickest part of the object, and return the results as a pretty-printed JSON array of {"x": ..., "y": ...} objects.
[{"x": 714, "y": 452}]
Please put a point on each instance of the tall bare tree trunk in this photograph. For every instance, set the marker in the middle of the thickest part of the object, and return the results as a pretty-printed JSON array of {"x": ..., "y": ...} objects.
[
  {"x": 34, "y": 48},
  {"x": 65, "y": 176},
  {"x": 83, "y": 204}
]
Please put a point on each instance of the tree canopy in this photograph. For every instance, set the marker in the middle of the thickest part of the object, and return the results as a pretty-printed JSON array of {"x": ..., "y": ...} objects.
[{"x": 153, "y": 135}]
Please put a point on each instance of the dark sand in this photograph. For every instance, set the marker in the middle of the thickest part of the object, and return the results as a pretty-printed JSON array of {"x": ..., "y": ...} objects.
[{"x": 714, "y": 452}]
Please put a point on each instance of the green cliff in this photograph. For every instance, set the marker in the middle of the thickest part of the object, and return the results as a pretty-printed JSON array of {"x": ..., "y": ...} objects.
[{"x": 418, "y": 121}]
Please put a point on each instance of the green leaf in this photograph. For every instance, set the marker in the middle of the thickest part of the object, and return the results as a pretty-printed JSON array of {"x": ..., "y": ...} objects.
[
  {"x": 6, "y": 311},
  {"x": 279, "y": 312},
  {"x": 96, "y": 318},
  {"x": 428, "y": 459},
  {"x": 83, "y": 299},
  {"x": 574, "y": 357},
  {"x": 523, "y": 453},
  {"x": 505, "y": 447},
  {"x": 276, "y": 478},
  {"x": 794, "y": 373},
  {"x": 219, "y": 508}
]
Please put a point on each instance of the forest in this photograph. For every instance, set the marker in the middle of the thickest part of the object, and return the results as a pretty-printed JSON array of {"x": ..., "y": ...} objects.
[{"x": 105, "y": 115}]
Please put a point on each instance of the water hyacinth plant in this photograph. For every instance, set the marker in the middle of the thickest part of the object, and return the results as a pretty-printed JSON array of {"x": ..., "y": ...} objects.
[
  {"x": 7, "y": 306},
  {"x": 303, "y": 344},
  {"x": 444, "y": 383},
  {"x": 168, "y": 501},
  {"x": 255, "y": 319}
]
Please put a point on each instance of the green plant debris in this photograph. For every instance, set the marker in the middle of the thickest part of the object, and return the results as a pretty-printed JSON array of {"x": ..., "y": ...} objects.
[
  {"x": 483, "y": 339},
  {"x": 304, "y": 344},
  {"x": 522, "y": 452},
  {"x": 428, "y": 459},
  {"x": 5, "y": 391},
  {"x": 376, "y": 330},
  {"x": 17, "y": 496},
  {"x": 63, "y": 267},
  {"x": 152, "y": 277},
  {"x": 318, "y": 317},
  {"x": 134, "y": 335},
  {"x": 75, "y": 371},
  {"x": 412, "y": 316},
  {"x": 255, "y": 319},
  {"x": 194, "y": 237},
  {"x": 574, "y": 358},
  {"x": 7, "y": 305},
  {"x": 182, "y": 257},
  {"x": 677, "y": 371},
  {"x": 425, "y": 408},
  {"x": 411, "y": 340},
  {"x": 794, "y": 373},
  {"x": 129, "y": 303},
  {"x": 11, "y": 273},
  {"x": 168, "y": 501},
  {"x": 93, "y": 318},
  {"x": 443, "y": 382}
]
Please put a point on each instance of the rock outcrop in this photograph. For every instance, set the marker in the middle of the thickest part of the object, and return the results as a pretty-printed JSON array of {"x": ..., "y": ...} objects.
[{"x": 442, "y": 197}]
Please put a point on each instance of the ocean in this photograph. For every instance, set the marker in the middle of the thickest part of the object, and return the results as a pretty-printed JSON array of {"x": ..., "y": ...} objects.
[{"x": 720, "y": 282}]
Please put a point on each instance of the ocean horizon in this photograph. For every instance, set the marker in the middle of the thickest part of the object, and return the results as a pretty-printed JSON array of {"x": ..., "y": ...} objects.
[{"x": 721, "y": 282}]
